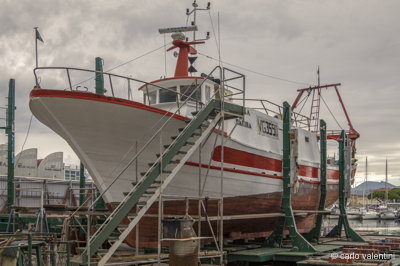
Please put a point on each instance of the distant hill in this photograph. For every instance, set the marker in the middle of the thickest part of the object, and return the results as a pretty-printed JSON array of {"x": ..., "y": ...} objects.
[{"x": 370, "y": 186}]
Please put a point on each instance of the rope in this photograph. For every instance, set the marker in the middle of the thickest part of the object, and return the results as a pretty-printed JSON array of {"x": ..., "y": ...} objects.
[
  {"x": 215, "y": 37},
  {"x": 331, "y": 112},
  {"x": 255, "y": 72},
  {"x": 165, "y": 56},
  {"x": 125, "y": 63},
  {"x": 305, "y": 98},
  {"x": 26, "y": 138}
]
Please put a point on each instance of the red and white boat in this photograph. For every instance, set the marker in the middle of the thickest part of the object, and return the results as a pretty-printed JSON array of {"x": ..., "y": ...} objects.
[{"x": 106, "y": 132}]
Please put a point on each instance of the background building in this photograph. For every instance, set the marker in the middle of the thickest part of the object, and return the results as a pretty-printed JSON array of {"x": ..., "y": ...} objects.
[
  {"x": 26, "y": 163},
  {"x": 51, "y": 167},
  {"x": 72, "y": 172}
]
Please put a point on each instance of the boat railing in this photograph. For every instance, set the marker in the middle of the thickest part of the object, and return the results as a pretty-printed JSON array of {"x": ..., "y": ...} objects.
[
  {"x": 157, "y": 136},
  {"x": 120, "y": 86},
  {"x": 335, "y": 132},
  {"x": 115, "y": 82},
  {"x": 276, "y": 110}
]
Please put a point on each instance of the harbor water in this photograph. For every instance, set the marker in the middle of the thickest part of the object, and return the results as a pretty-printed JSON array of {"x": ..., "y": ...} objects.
[{"x": 382, "y": 227}]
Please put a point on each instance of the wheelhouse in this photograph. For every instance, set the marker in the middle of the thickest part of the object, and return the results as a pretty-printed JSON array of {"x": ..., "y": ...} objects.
[{"x": 169, "y": 93}]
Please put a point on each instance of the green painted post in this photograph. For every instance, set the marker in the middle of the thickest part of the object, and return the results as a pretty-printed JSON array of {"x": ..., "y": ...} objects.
[
  {"x": 82, "y": 184},
  {"x": 99, "y": 77},
  {"x": 100, "y": 204},
  {"x": 39, "y": 255},
  {"x": 10, "y": 131},
  {"x": 342, "y": 199},
  {"x": 350, "y": 233},
  {"x": 299, "y": 243},
  {"x": 315, "y": 233},
  {"x": 99, "y": 90},
  {"x": 343, "y": 220},
  {"x": 21, "y": 256},
  {"x": 29, "y": 249},
  {"x": 68, "y": 254}
]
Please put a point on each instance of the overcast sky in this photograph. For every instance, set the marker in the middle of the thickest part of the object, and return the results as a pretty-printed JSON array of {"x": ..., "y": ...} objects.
[{"x": 355, "y": 43}]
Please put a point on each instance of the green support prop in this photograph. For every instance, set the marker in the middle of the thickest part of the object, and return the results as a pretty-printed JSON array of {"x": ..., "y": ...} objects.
[
  {"x": 275, "y": 239},
  {"x": 29, "y": 249},
  {"x": 39, "y": 256},
  {"x": 343, "y": 220},
  {"x": 68, "y": 262},
  {"x": 99, "y": 77},
  {"x": 100, "y": 204},
  {"x": 156, "y": 170},
  {"x": 21, "y": 256},
  {"x": 315, "y": 233},
  {"x": 299, "y": 243},
  {"x": 82, "y": 184},
  {"x": 10, "y": 131}
]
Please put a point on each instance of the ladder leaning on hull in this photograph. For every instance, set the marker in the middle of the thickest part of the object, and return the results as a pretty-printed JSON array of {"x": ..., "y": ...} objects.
[{"x": 150, "y": 186}]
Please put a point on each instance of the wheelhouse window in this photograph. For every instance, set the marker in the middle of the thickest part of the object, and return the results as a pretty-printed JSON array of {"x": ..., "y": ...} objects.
[
  {"x": 167, "y": 95},
  {"x": 187, "y": 91},
  {"x": 151, "y": 97}
]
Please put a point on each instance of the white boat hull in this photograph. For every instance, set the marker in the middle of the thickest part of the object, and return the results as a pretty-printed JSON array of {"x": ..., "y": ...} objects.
[
  {"x": 106, "y": 133},
  {"x": 387, "y": 216},
  {"x": 370, "y": 216},
  {"x": 106, "y": 136}
]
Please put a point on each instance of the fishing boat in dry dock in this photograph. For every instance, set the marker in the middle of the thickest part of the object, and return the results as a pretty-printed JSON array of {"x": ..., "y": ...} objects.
[{"x": 117, "y": 139}]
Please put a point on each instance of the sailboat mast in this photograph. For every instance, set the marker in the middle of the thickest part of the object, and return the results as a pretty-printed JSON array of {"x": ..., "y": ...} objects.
[
  {"x": 386, "y": 182},
  {"x": 365, "y": 180}
]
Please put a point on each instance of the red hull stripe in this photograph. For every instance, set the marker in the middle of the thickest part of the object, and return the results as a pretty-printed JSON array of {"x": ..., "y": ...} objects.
[
  {"x": 228, "y": 169},
  {"x": 246, "y": 159},
  {"x": 308, "y": 171},
  {"x": 239, "y": 171},
  {"x": 242, "y": 158},
  {"x": 37, "y": 93},
  {"x": 333, "y": 174}
]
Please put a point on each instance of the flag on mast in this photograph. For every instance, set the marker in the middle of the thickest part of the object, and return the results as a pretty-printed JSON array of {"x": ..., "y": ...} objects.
[{"x": 38, "y": 37}]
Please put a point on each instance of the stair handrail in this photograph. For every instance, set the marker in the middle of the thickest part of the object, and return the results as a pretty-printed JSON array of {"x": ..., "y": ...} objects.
[
  {"x": 153, "y": 165},
  {"x": 164, "y": 182},
  {"x": 189, "y": 98},
  {"x": 150, "y": 140}
]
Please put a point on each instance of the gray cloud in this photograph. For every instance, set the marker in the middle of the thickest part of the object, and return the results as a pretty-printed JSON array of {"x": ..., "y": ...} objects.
[{"x": 354, "y": 42}]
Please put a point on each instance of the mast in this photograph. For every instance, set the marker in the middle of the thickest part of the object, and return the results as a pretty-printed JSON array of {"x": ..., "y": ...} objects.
[
  {"x": 194, "y": 12},
  {"x": 365, "y": 180},
  {"x": 194, "y": 24},
  {"x": 386, "y": 182},
  {"x": 185, "y": 46},
  {"x": 10, "y": 131},
  {"x": 195, "y": 6},
  {"x": 315, "y": 109}
]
